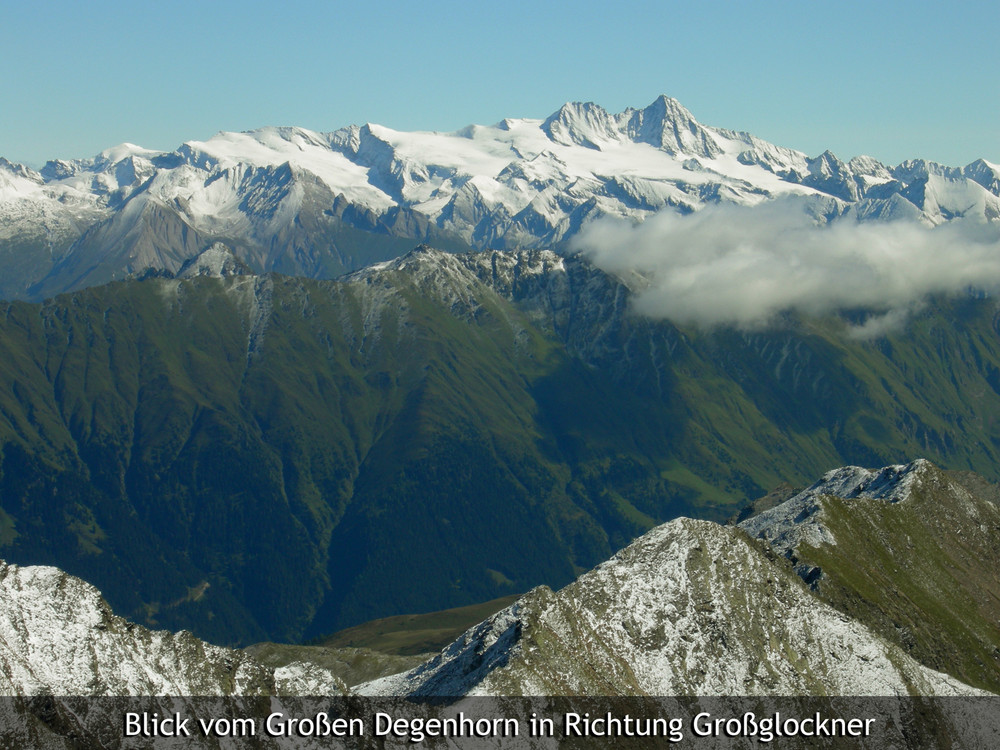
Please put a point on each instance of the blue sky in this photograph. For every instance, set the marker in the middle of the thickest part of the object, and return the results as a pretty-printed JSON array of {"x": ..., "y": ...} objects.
[{"x": 894, "y": 80}]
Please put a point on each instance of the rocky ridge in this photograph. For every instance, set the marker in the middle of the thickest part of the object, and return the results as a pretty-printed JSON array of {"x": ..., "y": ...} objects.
[
  {"x": 690, "y": 608},
  {"x": 800, "y": 519},
  {"x": 59, "y": 637}
]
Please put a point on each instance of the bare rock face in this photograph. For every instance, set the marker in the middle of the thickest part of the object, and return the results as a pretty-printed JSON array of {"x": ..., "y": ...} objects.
[{"x": 217, "y": 261}]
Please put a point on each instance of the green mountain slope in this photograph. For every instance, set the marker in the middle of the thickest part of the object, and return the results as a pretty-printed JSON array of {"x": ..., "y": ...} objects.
[
  {"x": 276, "y": 458},
  {"x": 918, "y": 565}
]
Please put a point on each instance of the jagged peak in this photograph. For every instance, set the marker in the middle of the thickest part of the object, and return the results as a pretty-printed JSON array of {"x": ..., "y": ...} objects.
[
  {"x": 984, "y": 173},
  {"x": 422, "y": 255},
  {"x": 60, "y": 169},
  {"x": 888, "y": 483},
  {"x": 460, "y": 278},
  {"x": 670, "y": 126},
  {"x": 576, "y": 109},
  {"x": 868, "y": 165},
  {"x": 425, "y": 250},
  {"x": 11, "y": 166},
  {"x": 826, "y": 164},
  {"x": 916, "y": 169},
  {"x": 670, "y": 107},
  {"x": 582, "y": 123},
  {"x": 982, "y": 165},
  {"x": 664, "y": 123},
  {"x": 828, "y": 155},
  {"x": 19, "y": 170},
  {"x": 348, "y": 137}
]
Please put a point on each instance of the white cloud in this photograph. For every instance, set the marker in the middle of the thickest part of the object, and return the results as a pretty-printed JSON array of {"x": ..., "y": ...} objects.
[{"x": 743, "y": 266}]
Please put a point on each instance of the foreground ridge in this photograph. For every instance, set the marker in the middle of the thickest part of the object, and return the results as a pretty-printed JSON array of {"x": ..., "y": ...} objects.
[{"x": 692, "y": 608}]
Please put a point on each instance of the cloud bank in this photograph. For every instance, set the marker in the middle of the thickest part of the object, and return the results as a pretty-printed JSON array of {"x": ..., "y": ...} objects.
[{"x": 733, "y": 265}]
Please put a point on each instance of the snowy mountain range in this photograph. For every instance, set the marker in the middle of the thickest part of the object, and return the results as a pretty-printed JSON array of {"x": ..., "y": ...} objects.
[{"x": 320, "y": 204}]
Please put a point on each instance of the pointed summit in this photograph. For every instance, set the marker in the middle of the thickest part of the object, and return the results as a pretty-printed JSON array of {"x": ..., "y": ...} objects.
[
  {"x": 830, "y": 175},
  {"x": 668, "y": 125},
  {"x": 984, "y": 173},
  {"x": 665, "y": 124},
  {"x": 583, "y": 124}
]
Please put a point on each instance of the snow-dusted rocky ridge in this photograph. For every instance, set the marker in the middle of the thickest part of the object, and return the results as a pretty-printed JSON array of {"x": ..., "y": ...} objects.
[
  {"x": 691, "y": 608},
  {"x": 59, "y": 641},
  {"x": 59, "y": 637},
  {"x": 695, "y": 608},
  {"x": 294, "y": 200},
  {"x": 800, "y": 519}
]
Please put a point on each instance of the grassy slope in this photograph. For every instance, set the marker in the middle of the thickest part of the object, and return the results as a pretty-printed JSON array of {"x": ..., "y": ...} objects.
[
  {"x": 366, "y": 449},
  {"x": 922, "y": 573}
]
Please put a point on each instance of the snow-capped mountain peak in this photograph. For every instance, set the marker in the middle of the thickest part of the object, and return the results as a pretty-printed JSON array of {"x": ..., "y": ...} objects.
[
  {"x": 669, "y": 126},
  {"x": 521, "y": 183},
  {"x": 587, "y": 125}
]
